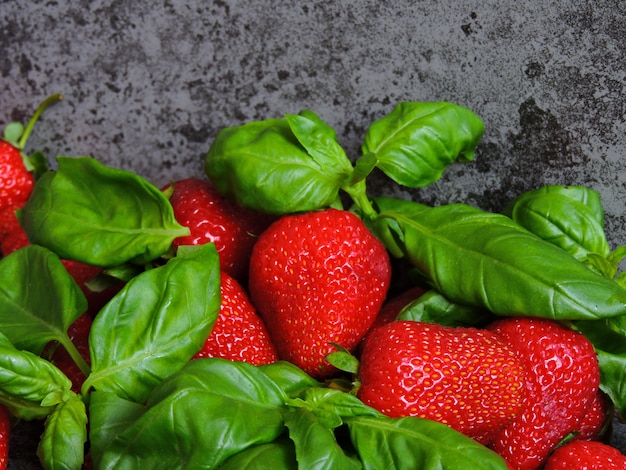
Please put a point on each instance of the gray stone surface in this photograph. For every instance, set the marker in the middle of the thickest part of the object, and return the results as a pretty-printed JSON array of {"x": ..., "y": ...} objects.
[{"x": 148, "y": 85}]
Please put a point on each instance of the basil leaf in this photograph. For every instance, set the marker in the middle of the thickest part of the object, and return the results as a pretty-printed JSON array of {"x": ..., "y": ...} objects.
[
  {"x": 570, "y": 217},
  {"x": 487, "y": 261},
  {"x": 102, "y": 216},
  {"x": 277, "y": 455},
  {"x": 262, "y": 165},
  {"x": 62, "y": 444},
  {"x": 208, "y": 411},
  {"x": 39, "y": 299},
  {"x": 433, "y": 307},
  {"x": 155, "y": 324},
  {"x": 289, "y": 377},
  {"x": 29, "y": 385},
  {"x": 417, "y": 141},
  {"x": 410, "y": 443},
  {"x": 316, "y": 445}
]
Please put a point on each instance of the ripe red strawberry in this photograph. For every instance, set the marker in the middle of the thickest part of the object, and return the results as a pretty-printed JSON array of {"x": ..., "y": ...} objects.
[
  {"x": 318, "y": 278},
  {"x": 463, "y": 377},
  {"x": 597, "y": 419},
  {"x": 16, "y": 182},
  {"x": 562, "y": 378},
  {"x": 5, "y": 436},
  {"x": 16, "y": 179},
  {"x": 392, "y": 307},
  {"x": 239, "y": 334},
  {"x": 211, "y": 217},
  {"x": 586, "y": 455}
]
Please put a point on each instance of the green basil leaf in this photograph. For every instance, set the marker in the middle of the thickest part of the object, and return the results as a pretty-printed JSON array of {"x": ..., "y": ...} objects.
[
  {"x": 289, "y": 377},
  {"x": 570, "y": 217},
  {"x": 262, "y": 165},
  {"x": 316, "y": 445},
  {"x": 277, "y": 455},
  {"x": 99, "y": 215},
  {"x": 197, "y": 418},
  {"x": 433, "y": 307},
  {"x": 410, "y": 443},
  {"x": 29, "y": 385},
  {"x": 488, "y": 261},
  {"x": 320, "y": 141},
  {"x": 39, "y": 299},
  {"x": 62, "y": 444},
  {"x": 417, "y": 141},
  {"x": 155, "y": 324}
]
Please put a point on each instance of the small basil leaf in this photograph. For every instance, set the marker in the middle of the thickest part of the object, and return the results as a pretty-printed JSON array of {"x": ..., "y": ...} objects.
[
  {"x": 417, "y": 141},
  {"x": 230, "y": 405},
  {"x": 289, "y": 377},
  {"x": 421, "y": 443},
  {"x": 38, "y": 298},
  {"x": 570, "y": 217},
  {"x": 433, "y": 307},
  {"x": 29, "y": 385},
  {"x": 488, "y": 261},
  {"x": 155, "y": 324},
  {"x": 62, "y": 444},
  {"x": 316, "y": 445},
  {"x": 277, "y": 455},
  {"x": 102, "y": 216},
  {"x": 262, "y": 165},
  {"x": 320, "y": 141}
]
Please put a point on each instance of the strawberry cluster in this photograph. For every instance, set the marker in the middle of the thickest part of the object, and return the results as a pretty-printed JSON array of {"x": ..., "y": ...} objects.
[{"x": 302, "y": 287}]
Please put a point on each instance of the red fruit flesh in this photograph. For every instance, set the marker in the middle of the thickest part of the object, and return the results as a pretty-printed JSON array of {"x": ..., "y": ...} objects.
[
  {"x": 597, "y": 419},
  {"x": 239, "y": 334},
  {"x": 78, "y": 333},
  {"x": 318, "y": 278},
  {"x": 463, "y": 377},
  {"x": 211, "y": 217},
  {"x": 562, "y": 378},
  {"x": 586, "y": 455}
]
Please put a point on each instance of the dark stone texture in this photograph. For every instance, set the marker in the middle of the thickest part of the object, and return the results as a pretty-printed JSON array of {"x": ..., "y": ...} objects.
[{"x": 148, "y": 85}]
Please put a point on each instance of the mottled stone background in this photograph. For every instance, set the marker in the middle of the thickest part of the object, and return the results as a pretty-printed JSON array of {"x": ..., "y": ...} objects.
[{"x": 148, "y": 85}]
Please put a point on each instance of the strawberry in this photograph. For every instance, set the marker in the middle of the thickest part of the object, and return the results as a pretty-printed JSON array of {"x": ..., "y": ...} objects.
[
  {"x": 318, "y": 278},
  {"x": 239, "y": 334},
  {"x": 16, "y": 181},
  {"x": 463, "y": 377},
  {"x": 562, "y": 378},
  {"x": 392, "y": 307},
  {"x": 211, "y": 217},
  {"x": 5, "y": 435},
  {"x": 597, "y": 420},
  {"x": 586, "y": 455}
]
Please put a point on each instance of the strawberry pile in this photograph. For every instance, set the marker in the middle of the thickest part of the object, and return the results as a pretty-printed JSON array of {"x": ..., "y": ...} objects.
[{"x": 272, "y": 310}]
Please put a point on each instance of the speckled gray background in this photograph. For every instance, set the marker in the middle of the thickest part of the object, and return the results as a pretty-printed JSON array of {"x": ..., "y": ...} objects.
[{"x": 148, "y": 85}]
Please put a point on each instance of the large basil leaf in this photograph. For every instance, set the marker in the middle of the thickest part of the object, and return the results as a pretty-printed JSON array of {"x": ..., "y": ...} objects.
[
  {"x": 277, "y": 455},
  {"x": 102, "y": 216},
  {"x": 411, "y": 443},
  {"x": 62, "y": 444},
  {"x": 486, "y": 260},
  {"x": 289, "y": 377},
  {"x": 197, "y": 418},
  {"x": 316, "y": 446},
  {"x": 30, "y": 386},
  {"x": 571, "y": 217},
  {"x": 155, "y": 324},
  {"x": 263, "y": 165},
  {"x": 416, "y": 142},
  {"x": 38, "y": 298}
]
